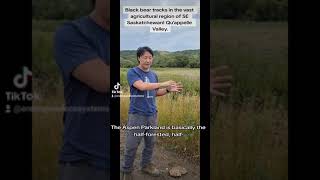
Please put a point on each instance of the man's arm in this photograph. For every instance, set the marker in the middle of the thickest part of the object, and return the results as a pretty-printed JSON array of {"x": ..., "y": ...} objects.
[
  {"x": 162, "y": 92},
  {"x": 175, "y": 87},
  {"x": 142, "y": 86},
  {"x": 94, "y": 73}
]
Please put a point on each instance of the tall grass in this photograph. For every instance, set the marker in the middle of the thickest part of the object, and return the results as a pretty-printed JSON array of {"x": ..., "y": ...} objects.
[
  {"x": 47, "y": 131},
  {"x": 47, "y": 127},
  {"x": 250, "y": 131},
  {"x": 189, "y": 77},
  {"x": 174, "y": 109}
]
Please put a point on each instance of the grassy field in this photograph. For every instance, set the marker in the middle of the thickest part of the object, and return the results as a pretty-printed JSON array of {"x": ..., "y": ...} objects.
[
  {"x": 47, "y": 131},
  {"x": 172, "y": 109},
  {"x": 47, "y": 127},
  {"x": 249, "y": 137}
]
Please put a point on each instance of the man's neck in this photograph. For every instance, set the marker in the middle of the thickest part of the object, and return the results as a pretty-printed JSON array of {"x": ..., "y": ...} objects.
[
  {"x": 101, "y": 21},
  {"x": 145, "y": 70}
]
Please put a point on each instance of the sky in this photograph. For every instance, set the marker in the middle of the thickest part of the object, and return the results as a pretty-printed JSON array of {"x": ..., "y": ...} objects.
[{"x": 180, "y": 38}]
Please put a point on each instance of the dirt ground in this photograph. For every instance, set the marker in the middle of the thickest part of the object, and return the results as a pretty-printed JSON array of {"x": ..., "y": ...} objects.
[{"x": 164, "y": 160}]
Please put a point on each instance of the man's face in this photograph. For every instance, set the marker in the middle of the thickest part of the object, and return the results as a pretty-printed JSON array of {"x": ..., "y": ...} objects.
[
  {"x": 103, "y": 7},
  {"x": 145, "y": 60}
]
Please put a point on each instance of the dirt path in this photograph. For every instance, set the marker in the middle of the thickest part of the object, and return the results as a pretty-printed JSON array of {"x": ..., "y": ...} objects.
[{"x": 164, "y": 160}]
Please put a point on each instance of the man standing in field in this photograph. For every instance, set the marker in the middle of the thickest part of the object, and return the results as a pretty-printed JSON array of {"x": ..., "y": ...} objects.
[
  {"x": 144, "y": 87},
  {"x": 82, "y": 52}
]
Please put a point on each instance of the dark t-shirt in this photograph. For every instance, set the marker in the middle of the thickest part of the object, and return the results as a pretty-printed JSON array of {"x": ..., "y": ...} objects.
[
  {"x": 142, "y": 102},
  {"x": 86, "y": 136}
]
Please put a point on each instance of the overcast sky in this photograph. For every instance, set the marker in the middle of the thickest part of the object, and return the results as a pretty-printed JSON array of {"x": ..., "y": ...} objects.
[{"x": 180, "y": 38}]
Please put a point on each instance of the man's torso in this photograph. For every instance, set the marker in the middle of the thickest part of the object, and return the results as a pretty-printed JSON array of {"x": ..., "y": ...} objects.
[
  {"x": 142, "y": 102},
  {"x": 86, "y": 132}
]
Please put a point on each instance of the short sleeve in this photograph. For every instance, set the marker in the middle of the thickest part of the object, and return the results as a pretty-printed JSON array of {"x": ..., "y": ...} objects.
[
  {"x": 132, "y": 77},
  {"x": 71, "y": 49}
]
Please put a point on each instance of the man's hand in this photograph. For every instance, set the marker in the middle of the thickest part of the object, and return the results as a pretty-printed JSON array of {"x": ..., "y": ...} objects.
[
  {"x": 176, "y": 87},
  {"x": 221, "y": 81}
]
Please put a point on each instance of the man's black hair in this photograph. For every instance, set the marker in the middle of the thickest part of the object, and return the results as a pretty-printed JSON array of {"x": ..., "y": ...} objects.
[{"x": 142, "y": 50}]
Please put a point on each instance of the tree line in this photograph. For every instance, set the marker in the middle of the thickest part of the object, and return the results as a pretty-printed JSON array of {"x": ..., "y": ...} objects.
[{"x": 181, "y": 59}]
